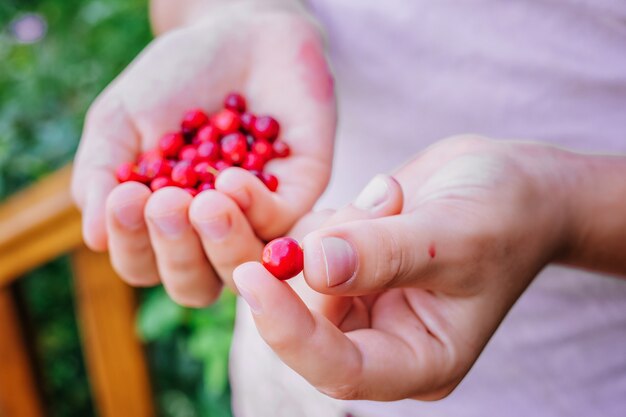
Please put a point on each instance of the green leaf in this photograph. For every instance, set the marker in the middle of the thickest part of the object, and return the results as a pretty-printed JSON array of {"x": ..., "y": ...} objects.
[{"x": 159, "y": 316}]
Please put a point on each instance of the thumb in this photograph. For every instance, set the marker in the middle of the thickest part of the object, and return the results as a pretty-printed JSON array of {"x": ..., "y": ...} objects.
[{"x": 367, "y": 256}]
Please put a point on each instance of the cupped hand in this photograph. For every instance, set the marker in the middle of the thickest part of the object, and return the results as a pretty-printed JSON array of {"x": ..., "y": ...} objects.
[
  {"x": 406, "y": 302},
  {"x": 276, "y": 59}
]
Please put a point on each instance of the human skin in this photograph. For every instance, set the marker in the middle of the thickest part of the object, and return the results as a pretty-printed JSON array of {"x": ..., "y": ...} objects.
[
  {"x": 272, "y": 52},
  {"x": 432, "y": 263}
]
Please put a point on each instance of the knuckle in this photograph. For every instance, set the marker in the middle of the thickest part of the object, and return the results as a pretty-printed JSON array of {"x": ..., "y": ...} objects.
[
  {"x": 186, "y": 292},
  {"x": 390, "y": 266},
  {"x": 136, "y": 277}
]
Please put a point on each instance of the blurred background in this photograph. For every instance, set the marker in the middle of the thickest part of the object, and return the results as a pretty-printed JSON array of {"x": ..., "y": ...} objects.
[{"x": 55, "y": 57}]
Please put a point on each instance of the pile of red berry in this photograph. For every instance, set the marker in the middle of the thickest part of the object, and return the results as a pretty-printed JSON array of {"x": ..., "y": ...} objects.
[{"x": 205, "y": 145}]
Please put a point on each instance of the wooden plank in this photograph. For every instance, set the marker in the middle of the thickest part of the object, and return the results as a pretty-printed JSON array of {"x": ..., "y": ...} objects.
[
  {"x": 37, "y": 225},
  {"x": 19, "y": 395},
  {"x": 115, "y": 359}
]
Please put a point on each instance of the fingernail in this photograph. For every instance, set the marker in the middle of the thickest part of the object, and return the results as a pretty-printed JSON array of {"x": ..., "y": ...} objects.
[
  {"x": 373, "y": 195},
  {"x": 340, "y": 260},
  {"x": 249, "y": 298},
  {"x": 130, "y": 216},
  {"x": 216, "y": 228},
  {"x": 171, "y": 225}
]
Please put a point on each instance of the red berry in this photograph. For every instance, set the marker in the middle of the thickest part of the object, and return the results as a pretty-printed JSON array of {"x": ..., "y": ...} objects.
[
  {"x": 226, "y": 121},
  {"x": 281, "y": 149},
  {"x": 192, "y": 191},
  {"x": 222, "y": 165},
  {"x": 194, "y": 119},
  {"x": 183, "y": 175},
  {"x": 247, "y": 121},
  {"x": 188, "y": 153},
  {"x": 235, "y": 102},
  {"x": 263, "y": 148},
  {"x": 160, "y": 182},
  {"x": 205, "y": 172},
  {"x": 283, "y": 258},
  {"x": 171, "y": 143},
  {"x": 150, "y": 155},
  {"x": 266, "y": 127},
  {"x": 128, "y": 172},
  {"x": 206, "y": 186},
  {"x": 154, "y": 167},
  {"x": 208, "y": 151},
  {"x": 208, "y": 133},
  {"x": 253, "y": 162},
  {"x": 234, "y": 148},
  {"x": 270, "y": 181}
]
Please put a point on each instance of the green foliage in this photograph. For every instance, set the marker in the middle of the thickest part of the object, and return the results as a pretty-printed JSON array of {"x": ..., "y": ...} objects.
[
  {"x": 189, "y": 354},
  {"x": 45, "y": 90}
]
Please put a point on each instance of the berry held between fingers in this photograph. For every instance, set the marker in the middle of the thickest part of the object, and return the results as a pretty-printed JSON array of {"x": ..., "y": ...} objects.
[
  {"x": 206, "y": 145},
  {"x": 283, "y": 258}
]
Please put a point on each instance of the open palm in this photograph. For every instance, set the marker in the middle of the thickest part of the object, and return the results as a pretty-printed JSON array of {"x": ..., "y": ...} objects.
[{"x": 277, "y": 61}]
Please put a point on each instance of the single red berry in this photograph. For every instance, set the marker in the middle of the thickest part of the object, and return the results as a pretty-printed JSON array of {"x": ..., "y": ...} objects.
[
  {"x": 208, "y": 133},
  {"x": 154, "y": 167},
  {"x": 208, "y": 151},
  {"x": 253, "y": 162},
  {"x": 128, "y": 172},
  {"x": 204, "y": 171},
  {"x": 206, "y": 186},
  {"x": 234, "y": 148},
  {"x": 283, "y": 258},
  {"x": 170, "y": 144},
  {"x": 188, "y": 153},
  {"x": 226, "y": 121},
  {"x": 266, "y": 127},
  {"x": 150, "y": 155},
  {"x": 235, "y": 102},
  {"x": 270, "y": 181},
  {"x": 192, "y": 191},
  {"x": 221, "y": 165},
  {"x": 183, "y": 175},
  {"x": 281, "y": 149},
  {"x": 247, "y": 121},
  {"x": 160, "y": 182},
  {"x": 264, "y": 149},
  {"x": 194, "y": 119}
]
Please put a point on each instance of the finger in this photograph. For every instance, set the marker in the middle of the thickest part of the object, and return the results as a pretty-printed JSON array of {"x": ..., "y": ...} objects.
[
  {"x": 129, "y": 244},
  {"x": 366, "y": 363},
  {"x": 381, "y": 197},
  {"x": 108, "y": 139},
  {"x": 184, "y": 269},
  {"x": 306, "y": 342},
  {"x": 224, "y": 232},
  {"x": 269, "y": 214},
  {"x": 368, "y": 256}
]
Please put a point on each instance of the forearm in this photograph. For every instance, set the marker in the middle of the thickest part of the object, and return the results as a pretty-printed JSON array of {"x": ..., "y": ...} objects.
[
  {"x": 596, "y": 189},
  {"x": 169, "y": 14}
]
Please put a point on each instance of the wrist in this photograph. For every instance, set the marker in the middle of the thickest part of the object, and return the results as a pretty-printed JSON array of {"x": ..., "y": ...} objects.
[
  {"x": 550, "y": 186},
  {"x": 166, "y": 15},
  {"x": 596, "y": 188}
]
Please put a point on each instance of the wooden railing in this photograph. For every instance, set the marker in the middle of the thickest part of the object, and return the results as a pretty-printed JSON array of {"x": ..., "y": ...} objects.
[{"x": 36, "y": 226}]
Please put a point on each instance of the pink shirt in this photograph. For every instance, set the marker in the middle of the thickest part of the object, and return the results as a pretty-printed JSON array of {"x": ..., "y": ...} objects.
[{"x": 410, "y": 72}]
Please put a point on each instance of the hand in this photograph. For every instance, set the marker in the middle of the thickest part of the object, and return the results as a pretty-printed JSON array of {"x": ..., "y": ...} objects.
[
  {"x": 412, "y": 299},
  {"x": 275, "y": 58}
]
